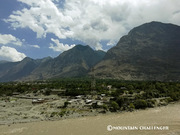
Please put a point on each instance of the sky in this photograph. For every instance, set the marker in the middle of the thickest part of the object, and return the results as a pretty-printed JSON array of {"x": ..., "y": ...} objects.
[{"x": 42, "y": 28}]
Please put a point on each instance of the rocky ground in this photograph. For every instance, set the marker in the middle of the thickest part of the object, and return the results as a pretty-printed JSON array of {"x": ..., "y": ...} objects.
[
  {"x": 166, "y": 116},
  {"x": 22, "y": 110}
]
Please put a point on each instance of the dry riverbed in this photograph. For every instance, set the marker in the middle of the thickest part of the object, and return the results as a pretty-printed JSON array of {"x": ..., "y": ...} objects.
[
  {"x": 21, "y": 110},
  {"x": 155, "y": 121}
]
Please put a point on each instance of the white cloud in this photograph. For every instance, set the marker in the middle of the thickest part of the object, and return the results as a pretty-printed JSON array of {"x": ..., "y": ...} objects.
[
  {"x": 92, "y": 21},
  {"x": 111, "y": 43},
  {"x": 9, "y": 39},
  {"x": 60, "y": 47},
  {"x": 11, "y": 54},
  {"x": 35, "y": 46}
]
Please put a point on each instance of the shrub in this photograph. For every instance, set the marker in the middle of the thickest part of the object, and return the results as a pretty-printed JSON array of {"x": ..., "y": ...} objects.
[
  {"x": 131, "y": 106},
  {"x": 174, "y": 96},
  {"x": 131, "y": 92},
  {"x": 105, "y": 107},
  {"x": 47, "y": 92},
  {"x": 151, "y": 103},
  {"x": 62, "y": 113},
  {"x": 140, "y": 104},
  {"x": 114, "y": 106},
  {"x": 65, "y": 104},
  {"x": 120, "y": 101},
  {"x": 168, "y": 100},
  {"x": 95, "y": 105}
]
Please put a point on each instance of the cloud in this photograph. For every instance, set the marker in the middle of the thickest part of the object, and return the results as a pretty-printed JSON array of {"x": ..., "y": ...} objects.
[
  {"x": 35, "y": 46},
  {"x": 111, "y": 43},
  {"x": 60, "y": 47},
  {"x": 9, "y": 39},
  {"x": 92, "y": 21},
  {"x": 11, "y": 54}
]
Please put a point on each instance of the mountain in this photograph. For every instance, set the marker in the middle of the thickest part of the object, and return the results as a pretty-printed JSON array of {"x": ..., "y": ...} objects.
[
  {"x": 3, "y": 61},
  {"x": 11, "y": 71},
  {"x": 149, "y": 52},
  {"x": 75, "y": 62}
]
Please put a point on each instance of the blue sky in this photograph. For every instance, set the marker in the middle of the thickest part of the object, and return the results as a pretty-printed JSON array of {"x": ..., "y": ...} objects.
[{"x": 37, "y": 29}]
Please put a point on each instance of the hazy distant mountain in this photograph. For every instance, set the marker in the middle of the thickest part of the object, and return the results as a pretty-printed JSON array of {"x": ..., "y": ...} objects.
[
  {"x": 3, "y": 61},
  {"x": 149, "y": 52},
  {"x": 11, "y": 71},
  {"x": 75, "y": 62}
]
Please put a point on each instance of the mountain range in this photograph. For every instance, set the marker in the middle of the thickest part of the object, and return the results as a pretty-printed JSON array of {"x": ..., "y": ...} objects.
[
  {"x": 75, "y": 62},
  {"x": 148, "y": 52}
]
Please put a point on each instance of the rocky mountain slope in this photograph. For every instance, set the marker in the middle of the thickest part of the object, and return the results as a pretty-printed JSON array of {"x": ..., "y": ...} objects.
[
  {"x": 10, "y": 71},
  {"x": 75, "y": 62},
  {"x": 149, "y": 52}
]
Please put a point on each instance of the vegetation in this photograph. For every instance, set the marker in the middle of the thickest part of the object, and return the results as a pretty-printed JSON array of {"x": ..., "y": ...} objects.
[
  {"x": 114, "y": 106},
  {"x": 125, "y": 94},
  {"x": 140, "y": 103}
]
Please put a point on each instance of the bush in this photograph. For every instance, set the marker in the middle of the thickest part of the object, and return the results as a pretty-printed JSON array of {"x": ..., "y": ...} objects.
[
  {"x": 65, "y": 104},
  {"x": 131, "y": 106},
  {"x": 131, "y": 92},
  {"x": 120, "y": 101},
  {"x": 95, "y": 105},
  {"x": 47, "y": 92},
  {"x": 53, "y": 114},
  {"x": 174, "y": 96},
  {"x": 62, "y": 113},
  {"x": 168, "y": 100},
  {"x": 105, "y": 107},
  {"x": 140, "y": 104},
  {"x": 151, "y": 103},
  {"x": 114, "y": 106}
]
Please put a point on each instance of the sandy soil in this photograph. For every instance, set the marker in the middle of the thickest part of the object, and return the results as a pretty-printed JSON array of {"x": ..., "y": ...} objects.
[
  {"x": 167, "y": 116},
  {"x": 18, "y": 110}
]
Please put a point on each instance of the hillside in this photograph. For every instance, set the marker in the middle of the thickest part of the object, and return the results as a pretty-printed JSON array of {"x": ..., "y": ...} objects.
[
  {"x": 148, "y": 52},
  {"x": 75, "y": 62}
]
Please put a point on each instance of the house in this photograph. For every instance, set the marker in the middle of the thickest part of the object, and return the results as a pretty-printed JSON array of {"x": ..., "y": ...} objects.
[
  {"x": 109, "y": 87},
  {"x": 38, "y": 101},
  {"x": 78, "y": 97},
  {"x": 88, "y": 101}
]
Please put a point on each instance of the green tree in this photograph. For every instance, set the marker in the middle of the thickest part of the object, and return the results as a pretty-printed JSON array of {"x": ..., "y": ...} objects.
[
  {"x": 114, "y": 106},
  {"x": 140, "y": 104}
]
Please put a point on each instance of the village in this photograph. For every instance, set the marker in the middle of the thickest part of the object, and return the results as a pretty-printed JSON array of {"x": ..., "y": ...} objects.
[
  {"x": 28, "y": 107},
  {"x": 45, "y": 103}
]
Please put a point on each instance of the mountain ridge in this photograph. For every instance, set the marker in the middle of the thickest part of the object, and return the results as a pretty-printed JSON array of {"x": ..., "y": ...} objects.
[
  {"x": 75, "y": 62},
  {"x": 149, "y": 52}
]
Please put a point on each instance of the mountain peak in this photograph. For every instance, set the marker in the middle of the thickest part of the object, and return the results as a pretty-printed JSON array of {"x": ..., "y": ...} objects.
[
  {"x": 81, "y": 47},
  {"x": 155, "y": 27},
  {"x": 27, "y": 59},
  {"x": 149, "y": 52}
]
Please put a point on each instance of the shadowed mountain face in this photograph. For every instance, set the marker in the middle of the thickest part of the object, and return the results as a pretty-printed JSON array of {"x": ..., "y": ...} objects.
[
  {"x": 75, "y": 62},
  {"x": 149, "y": 52},
  {"x": 10, "y": 71}
]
